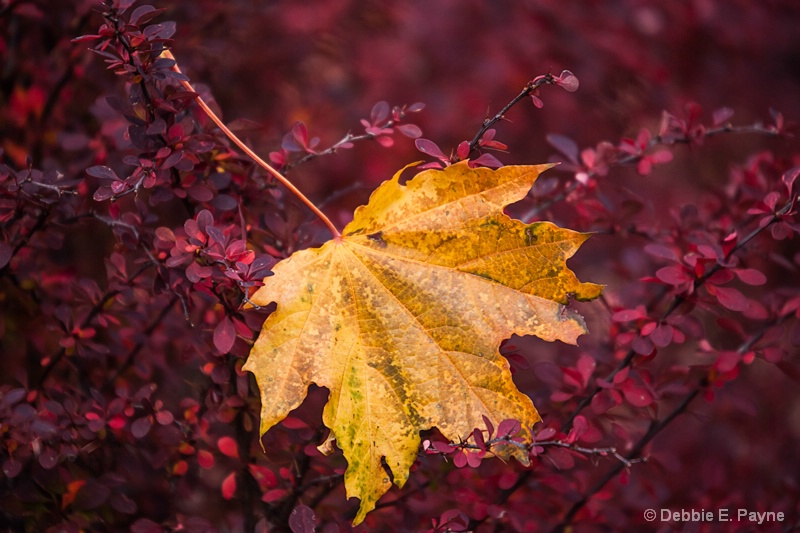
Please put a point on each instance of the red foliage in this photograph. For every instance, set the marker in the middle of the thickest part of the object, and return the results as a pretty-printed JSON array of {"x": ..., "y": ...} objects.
[{"x": 132, "y": 232}]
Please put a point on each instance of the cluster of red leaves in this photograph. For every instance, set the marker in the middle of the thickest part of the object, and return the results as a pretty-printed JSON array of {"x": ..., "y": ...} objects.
[
  {"x": 381, "y": 125},
  {"x": 131, "y": 234}
]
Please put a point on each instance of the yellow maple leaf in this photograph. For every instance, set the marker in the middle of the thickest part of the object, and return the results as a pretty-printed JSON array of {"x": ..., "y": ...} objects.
[{"x": 402, "y": 316}]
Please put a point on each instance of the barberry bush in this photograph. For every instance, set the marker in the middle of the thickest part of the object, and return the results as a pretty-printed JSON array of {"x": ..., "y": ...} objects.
[{"x": 133, "y": 231}]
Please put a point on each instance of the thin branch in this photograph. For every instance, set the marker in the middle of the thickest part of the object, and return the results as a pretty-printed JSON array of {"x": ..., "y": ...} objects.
[
  {"x": 634, "y": 158},
  {"x": 95, "y": 310},
  {"x": 547, "y": 79},
  {"x": 55, "y": 188},
  {"x": 674, "y": 305},
  {"x": 263, "y": 164},
  {"x": 657, "y": 426},
  {"x": 654, "y": 429},
  {"x": 602, "y": 451},
  {"x": 347, "y": 139},
  {"x": 628, "y": 361},
  {"x": 627, "y": 462},
  {"x": 151, "y": 327},
  {"x": 38, "y": 225}
]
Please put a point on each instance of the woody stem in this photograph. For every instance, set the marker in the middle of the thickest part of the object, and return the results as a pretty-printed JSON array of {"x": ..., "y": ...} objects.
[{"x": 263, "y": 164}]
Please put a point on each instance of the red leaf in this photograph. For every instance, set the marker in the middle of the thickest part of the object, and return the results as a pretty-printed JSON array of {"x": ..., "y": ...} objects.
[
  {"x": 144, "y": 14},
  {"x": 561, "y": 458},
  {"x": 193, "y": 231},
  {"x": 379, "y": 113},
  {"x": 102, "y": 193},
  {"x": 781, "y": 231},
  {"x": 453, "y": 520},
  {"x": 273, "y": 495},
  {"x": 721, "y": 115},
  {"x": 751, "y": 276},
  {"x": 486, "y": 160},
  {"x": 462, "y": 152},
  {"x": 721, "y": 277},
  {"x": 229, "y": 486},
  {"x": 443, "y": 447},
  {"x": 302, "y": 520},
  {"x": 164, "y": 418},
  {"x": 224, "y": 335},
  {"x": 642, "y": 345},
  {"x": 621, "y": 376},
  {"x": 477, "y": 435},
  {"x": 386, "y": 142},
  {"x": 410, "y": 130},
  {"x": 11, "y": 467},
  {"x": 205, "y": 459},
  {"x": 141, "y": 427},
  {"x": 489, "y": 426},
  {"x": 460, "y": 459},
  {"x": 228, "y": 447},
  {"x": 117, "y": 422},
  {"x": 165, "y": 234},
  {"x": 648, "y": 328},
  {"x": 602, "y": 402},
  {"x": 429, "y": 147},
  {"x": 201, "y": 192},
  {"x": 300, "y": 134},
  {"x": 568, "y": 81},
  {"x": 103, "y": 172},
  {"x": 730, "y": 298},
  {"x": 627, "y": 315},
  {"x": 660, "y": 157},
  {"x": 662, "y": 335},
  {"x": 579, "y": 427},
  {"x": 727, "y": 361},
  {"x": 636, "y": 395},
  {"x": 204, "y": 219},
  {"x": 292, "y": 422},
  {"x": 6, "y": 252},
  {"x": 507, "y": 428},
  {"x": 474, "y": 459},
  {"x": 546, "y": 433},
  {"x": 48, "y": 458},
  {"x": 673, "y": 275},
  {"x": 585, "y": 366},
  {"x": 789, "y": 178},
  {"x": 265, "y": 477}
]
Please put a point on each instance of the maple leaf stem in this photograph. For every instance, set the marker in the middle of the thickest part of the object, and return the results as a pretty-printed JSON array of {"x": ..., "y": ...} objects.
[{"x": 250, "y": 153}]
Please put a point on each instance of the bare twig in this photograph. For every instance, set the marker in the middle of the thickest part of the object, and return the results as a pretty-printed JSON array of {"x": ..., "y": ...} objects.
[
  {"x": 539, "y": 81},
  {"x": 657, "y": 426}
]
